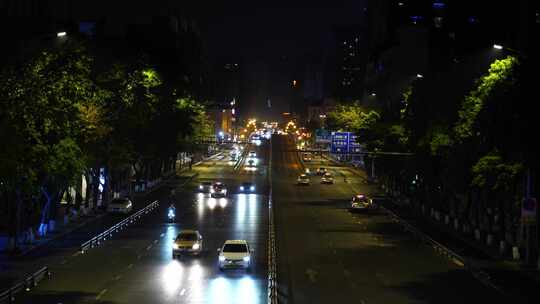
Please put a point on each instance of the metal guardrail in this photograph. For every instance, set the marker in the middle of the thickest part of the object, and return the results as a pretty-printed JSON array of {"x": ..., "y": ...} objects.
[
  {"x": 272, "y": 252},
  {"x": 96, "y": 241},
  {"x": 241, "y": 159},
  {"x": 478, "y": 273},
  {"x": 8, "y": 296}
]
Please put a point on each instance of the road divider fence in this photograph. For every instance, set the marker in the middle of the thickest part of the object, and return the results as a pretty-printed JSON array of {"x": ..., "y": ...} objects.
[
  {"x": 8, "y": 296},
  {"x": 272, "y": 252},
  {"x": 98, "y": 239}
]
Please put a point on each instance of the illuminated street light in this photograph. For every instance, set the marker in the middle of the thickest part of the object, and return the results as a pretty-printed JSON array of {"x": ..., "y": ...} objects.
[
  {"x": 373, "y": 94},
  {"x": 498, "y": 46},
  {"x": 419, "y": 76},
  {"x": 61, "y": 34}
]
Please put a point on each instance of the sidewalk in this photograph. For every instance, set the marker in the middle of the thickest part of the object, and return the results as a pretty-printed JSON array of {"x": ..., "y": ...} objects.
[{"x": 511, "y": 277}]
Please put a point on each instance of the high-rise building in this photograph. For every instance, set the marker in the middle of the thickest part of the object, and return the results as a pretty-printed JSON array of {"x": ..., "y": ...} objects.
[{"x": 351, "y": 59}]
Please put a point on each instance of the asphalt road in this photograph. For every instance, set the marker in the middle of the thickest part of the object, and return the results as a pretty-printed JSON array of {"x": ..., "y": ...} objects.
[
  {"x": 326, "y": 254},
  {"x": 136, "y": 265}
]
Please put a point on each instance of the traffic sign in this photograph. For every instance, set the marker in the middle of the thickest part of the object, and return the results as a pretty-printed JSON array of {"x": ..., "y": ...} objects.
[{"x": 322, "y": 136}]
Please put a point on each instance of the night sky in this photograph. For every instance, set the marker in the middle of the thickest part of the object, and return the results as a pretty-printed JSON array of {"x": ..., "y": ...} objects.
[
  {"x": 257, "y": 34},
  {"x": 247, "y": 28}
]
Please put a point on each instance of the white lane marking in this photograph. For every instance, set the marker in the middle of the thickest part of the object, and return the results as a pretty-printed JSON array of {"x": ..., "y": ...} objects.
[
  {"x": 101, "y": 294},
  {"x": 63, "y": 262},
  {"x": 139, "y": 256},
  {"x": 457, "y": 262},
  {"x": 149, "y": 247},
  {"x": 76, "y": 253},
  {"x": 162, "y": 235},
  {"x": 130, "y": 266},
  {"x": 182, "y": 292},
  {"x": 116, "y": 278}
]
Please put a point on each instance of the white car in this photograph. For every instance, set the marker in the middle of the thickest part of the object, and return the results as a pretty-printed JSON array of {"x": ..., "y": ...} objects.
[
  {"x": 187, "y": 242},
  {"x": 205, "y": 186},
  {"x": 327, "y": 178},
  {"x": 120, "y": 205},
  {"x": 321, "y": 171},
  {"x": 247, "y": 187},
  {"x": 235, "y": 254},
  {"x": 218, "y": 190},
  {"x": 303, "y": 180},
  {"x": 252, "y": 154},
  {"x": 361, "y": 202}
]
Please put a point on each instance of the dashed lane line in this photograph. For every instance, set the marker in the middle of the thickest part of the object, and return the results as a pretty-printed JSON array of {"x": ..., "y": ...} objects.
[{"x": 101, "y": 294}]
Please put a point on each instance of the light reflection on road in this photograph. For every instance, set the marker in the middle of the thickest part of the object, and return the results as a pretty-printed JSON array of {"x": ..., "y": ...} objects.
[
  {"x": 172, "y": 277},
  {"x": 225, "y": 290},
  {"x": 196, "y": 279}
]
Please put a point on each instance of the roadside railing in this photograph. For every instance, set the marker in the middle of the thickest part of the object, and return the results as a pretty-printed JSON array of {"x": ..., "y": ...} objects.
[
  {"x": 240, "y": 160},
  {"x": 96, "y": 240},
  {"x": 8, "y": 296}
]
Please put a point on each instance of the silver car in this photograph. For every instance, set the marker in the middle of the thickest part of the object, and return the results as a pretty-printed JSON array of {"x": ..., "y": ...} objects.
[{"x": 120, "y": 205}]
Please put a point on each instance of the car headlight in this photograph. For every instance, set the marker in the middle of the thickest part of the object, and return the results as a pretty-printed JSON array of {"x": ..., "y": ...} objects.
[
  {"x": 196, "y": 246},
  {"x": 221, "y": 258},
  {"x": 201, "y": 187},
  {"x": 247, "y": 258},
  {"x": 252, "y": 188},
  {"x": 241, "y": 188},
  {"x": 175, "y": 246}
]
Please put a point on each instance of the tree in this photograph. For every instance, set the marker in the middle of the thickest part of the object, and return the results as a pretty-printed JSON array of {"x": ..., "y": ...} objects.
[{"x": 43, "y": 103}]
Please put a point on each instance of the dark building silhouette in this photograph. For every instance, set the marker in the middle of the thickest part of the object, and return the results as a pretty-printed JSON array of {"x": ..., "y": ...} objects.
[{"x": 352, "y": 57}]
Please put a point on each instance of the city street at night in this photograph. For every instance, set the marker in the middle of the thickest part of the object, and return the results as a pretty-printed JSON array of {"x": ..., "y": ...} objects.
[
  {"x": 214, "y": 152},
  {"x": 135, "y": 266}
]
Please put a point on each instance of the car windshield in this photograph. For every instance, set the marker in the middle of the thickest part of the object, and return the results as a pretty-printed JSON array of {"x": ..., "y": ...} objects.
[
  {"x": 246, "y": 184},
  {"x": 206, "y": 183},
  {"x": 328, "y": 175},
  {"x": 360, "y": 199},
  {"x": 235, "y": 248},
  {"x": 187, "y": 237}
]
